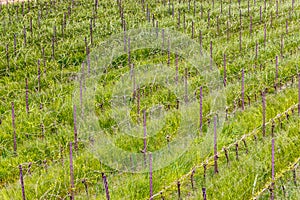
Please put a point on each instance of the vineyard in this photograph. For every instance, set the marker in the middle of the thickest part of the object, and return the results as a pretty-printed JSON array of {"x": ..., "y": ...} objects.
[{"x": 150, "y": 99}]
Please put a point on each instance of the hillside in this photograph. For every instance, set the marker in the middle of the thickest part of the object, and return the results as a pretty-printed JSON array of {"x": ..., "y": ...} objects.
[{"x": 150, "y": 99}]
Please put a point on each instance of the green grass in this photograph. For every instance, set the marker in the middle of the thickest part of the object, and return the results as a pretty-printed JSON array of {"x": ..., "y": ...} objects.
[{"x": 44, "y": 133}]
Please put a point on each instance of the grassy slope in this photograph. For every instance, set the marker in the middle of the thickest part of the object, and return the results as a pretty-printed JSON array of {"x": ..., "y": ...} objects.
[{"x": 50, "y": 179}]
